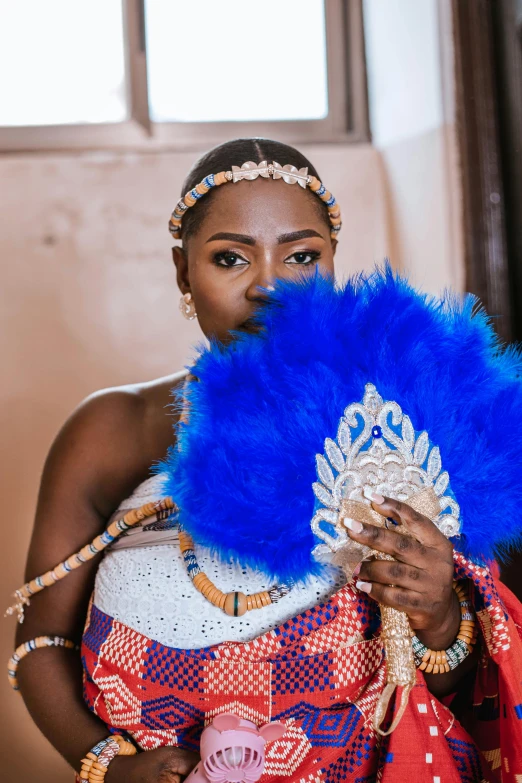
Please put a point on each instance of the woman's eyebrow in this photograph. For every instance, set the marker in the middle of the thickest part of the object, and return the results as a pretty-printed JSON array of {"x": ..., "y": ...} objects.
[
  {"x": 245, "y": 239},
  {"x": 295, "y": 236}
]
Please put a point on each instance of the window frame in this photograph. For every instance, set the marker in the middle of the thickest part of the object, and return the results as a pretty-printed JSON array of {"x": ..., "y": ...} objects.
[{"x": 347, "y": 120}]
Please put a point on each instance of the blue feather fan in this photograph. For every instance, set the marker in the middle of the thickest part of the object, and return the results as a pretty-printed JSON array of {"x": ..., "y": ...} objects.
[{"x": 243, "y": 471}]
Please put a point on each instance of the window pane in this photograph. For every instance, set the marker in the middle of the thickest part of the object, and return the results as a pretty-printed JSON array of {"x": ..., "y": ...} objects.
[
  {"x": 62, "y": 61},
  {"x": 216, "y": 60}
]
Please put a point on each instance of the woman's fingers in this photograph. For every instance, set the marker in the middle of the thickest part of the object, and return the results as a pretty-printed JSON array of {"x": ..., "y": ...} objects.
[
  {"x": 403, "y": 548},
  {"x": 414, "y": 549},
  {"x": 418, "y": 580},
  {"x": 399, "y": 598},
  {"x": 420, "y": 526},
  {"x": 388, "y": 572}
]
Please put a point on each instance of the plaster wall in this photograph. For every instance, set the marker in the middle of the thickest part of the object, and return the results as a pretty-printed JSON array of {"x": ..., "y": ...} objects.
[{"x": 409, "y": 54}]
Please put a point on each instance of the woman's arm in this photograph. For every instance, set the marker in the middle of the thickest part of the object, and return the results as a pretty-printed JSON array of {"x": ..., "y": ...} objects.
[{"x": 99, "y": 456}]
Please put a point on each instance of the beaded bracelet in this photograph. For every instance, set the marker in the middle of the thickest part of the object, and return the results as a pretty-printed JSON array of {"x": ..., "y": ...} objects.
[
  {"x": 442, "y": 661},
  {"x": 96, "y": 762},
  {"x": 34, "y": 644}
]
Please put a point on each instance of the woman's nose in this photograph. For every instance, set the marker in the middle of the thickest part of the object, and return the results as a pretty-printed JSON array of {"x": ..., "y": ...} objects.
[{"x": 260, "y": 287}]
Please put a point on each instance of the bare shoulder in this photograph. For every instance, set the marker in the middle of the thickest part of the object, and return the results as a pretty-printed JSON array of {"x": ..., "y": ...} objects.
[
  {"x": 135, "y": 410},
  {"x": 108, "y": 444},
  {"x": 103, "y": 451}
]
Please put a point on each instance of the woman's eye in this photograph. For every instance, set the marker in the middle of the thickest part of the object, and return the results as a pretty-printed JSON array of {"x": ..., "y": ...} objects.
[
  {"x": 229, "y": 260},
  {"x": 303, "y": 259}
]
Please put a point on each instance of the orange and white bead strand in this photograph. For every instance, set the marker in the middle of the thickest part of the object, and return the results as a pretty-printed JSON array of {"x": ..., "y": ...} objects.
[
  {"x": 234, "y": 604},
  {"x": 250, "y": 171},
  {"x": 96, "y": 762},
  {"x": 34, "y": 644},
  {"x": 334, "y": 211},
  {"x": 191, "y": 198},
  {"x": 162, "y": 509}
]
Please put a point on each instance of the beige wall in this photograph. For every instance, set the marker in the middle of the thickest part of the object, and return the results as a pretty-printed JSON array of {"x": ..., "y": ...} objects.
[
  {"x": 410, "y": 58},
  {"x": 426, "y": 237}
]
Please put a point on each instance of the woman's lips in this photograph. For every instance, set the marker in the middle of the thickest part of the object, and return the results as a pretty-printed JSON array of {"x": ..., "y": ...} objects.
[{"x": 251, "y": 326}]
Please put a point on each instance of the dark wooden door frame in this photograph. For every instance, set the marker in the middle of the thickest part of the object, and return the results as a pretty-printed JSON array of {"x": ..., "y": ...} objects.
[
  {"x": 484, "y": 223},
  {"x": 507, "y": 31},
  {"x": 488, "y": 74}
]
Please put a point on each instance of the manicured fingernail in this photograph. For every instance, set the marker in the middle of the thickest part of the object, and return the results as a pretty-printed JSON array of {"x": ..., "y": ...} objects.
[
  {"x": 353, "y": 525},
  {"x": 357, "y": 569},
  {"x": 365, "y": 587},
  {"x": 373, "y": 496}
]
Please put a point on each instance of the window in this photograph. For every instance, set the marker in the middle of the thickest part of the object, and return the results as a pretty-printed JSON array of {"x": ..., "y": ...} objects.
[
  {"x": 178, "y": 74},
  {"x": 239, "y": 70},
  {"x": 49, "y": 73}
]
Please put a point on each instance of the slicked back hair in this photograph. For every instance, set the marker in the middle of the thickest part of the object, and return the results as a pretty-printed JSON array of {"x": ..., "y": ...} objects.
[{"x": 235, "y": 153}]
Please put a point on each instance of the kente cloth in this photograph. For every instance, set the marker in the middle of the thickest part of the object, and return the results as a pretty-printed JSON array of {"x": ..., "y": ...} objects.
[{"x": 322, "y": 673}]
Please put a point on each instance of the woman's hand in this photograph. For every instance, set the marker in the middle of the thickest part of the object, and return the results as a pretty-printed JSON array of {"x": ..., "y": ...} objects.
[
  {"x": 419, "y": 580},
  {"x": 164, "y": 765}
]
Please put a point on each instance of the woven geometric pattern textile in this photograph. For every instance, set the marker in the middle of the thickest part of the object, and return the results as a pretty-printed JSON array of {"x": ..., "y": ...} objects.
[{"x": 322, "y": 673}]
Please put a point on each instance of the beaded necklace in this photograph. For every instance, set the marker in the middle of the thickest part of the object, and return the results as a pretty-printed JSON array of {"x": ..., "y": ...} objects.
[{"x": 234, "y": 604}]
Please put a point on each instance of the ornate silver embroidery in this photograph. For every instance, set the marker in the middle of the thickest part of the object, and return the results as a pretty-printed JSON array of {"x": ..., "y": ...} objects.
[{"x": 395, "y": 465}]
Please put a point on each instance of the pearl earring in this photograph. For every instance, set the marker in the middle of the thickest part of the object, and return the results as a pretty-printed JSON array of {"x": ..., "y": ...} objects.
[{"x": 187, "y": 307}]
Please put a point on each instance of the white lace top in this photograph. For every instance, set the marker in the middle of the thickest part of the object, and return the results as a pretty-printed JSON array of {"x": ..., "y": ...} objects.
[{"x": 148, "y": 589}]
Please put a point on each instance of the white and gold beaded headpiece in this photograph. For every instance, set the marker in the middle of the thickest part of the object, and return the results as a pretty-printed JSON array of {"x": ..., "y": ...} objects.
[{"x": 250, "y": 170}]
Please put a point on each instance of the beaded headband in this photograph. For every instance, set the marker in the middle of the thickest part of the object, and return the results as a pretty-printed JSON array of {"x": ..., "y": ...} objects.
[{"x": 249, "y": 170}]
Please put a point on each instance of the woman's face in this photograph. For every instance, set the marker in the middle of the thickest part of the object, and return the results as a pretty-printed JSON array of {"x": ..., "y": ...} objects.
[{"x": 253, "y": 233}]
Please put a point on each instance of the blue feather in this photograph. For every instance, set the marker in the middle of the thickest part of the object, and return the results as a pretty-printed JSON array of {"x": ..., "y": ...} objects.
[{"x": 245, "y": 465}]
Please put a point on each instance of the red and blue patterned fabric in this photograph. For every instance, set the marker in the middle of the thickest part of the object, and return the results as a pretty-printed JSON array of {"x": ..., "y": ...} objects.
[{"x": 322, "y": 673}]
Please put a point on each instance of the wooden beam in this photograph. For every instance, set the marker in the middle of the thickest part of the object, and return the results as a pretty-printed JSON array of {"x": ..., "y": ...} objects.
[{"x": 485, "y": 248}]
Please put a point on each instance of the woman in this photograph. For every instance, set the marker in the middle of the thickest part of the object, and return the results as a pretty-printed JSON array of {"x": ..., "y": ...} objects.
[{"x": 236, "y": 242}]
